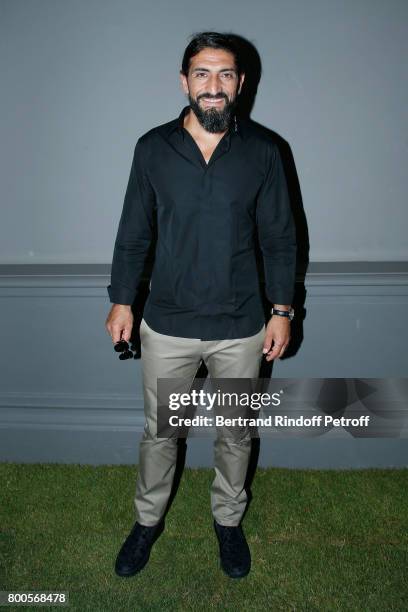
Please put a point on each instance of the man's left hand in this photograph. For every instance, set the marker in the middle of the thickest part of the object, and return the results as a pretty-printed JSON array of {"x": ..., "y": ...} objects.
[{"x": 277, "y": 337}]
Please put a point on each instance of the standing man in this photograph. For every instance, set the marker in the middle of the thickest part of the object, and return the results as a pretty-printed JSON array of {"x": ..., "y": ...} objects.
[{"x": 207, "y": 181}]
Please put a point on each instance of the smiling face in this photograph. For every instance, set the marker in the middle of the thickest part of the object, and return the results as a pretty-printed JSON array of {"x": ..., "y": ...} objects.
[{"x": 212, "y": 86}]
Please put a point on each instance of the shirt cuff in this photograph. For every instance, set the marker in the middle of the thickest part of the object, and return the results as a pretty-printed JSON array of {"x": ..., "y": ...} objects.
[{"x": 120, "y": 295}]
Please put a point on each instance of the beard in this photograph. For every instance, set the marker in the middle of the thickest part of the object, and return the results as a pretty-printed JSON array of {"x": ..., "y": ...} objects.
[{"x": 213, "y": 119}]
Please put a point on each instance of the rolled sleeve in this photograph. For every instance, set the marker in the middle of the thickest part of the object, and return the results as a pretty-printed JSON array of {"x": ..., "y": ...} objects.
[
  {"x": 277, "y": 233},
  {"x": 135, "y": 232}
]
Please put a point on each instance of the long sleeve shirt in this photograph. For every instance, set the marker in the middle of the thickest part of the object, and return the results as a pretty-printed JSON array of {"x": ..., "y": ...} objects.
[{"x": 205, "y": 217}]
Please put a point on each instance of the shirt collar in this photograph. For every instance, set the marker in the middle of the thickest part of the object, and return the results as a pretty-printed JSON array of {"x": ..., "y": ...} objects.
[{"x": 178, "y": 124}]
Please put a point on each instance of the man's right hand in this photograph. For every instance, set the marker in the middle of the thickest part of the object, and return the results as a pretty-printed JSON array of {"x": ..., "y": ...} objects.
[{"x": 119, "y": 322}]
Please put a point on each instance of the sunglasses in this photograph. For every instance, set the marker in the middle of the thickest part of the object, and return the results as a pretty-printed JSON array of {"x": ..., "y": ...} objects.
[{"x": 122, "y": 347}]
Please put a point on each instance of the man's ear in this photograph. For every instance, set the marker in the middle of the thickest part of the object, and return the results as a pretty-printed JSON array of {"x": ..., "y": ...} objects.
[
  {"x": 183, "y": 82},
  {"x": 241, "y": 82}
]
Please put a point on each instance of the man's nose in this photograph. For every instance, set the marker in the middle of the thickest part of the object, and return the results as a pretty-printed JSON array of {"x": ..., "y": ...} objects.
[{"x": 214, "y": 85}]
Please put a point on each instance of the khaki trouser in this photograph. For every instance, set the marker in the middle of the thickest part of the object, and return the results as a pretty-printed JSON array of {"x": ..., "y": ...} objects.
[{"x": 165, "y": 356}]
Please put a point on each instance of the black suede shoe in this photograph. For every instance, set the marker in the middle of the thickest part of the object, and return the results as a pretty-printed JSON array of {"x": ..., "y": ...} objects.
[
  {"x": 135, "y": 550},
  {"x": 235, "y": 556}
]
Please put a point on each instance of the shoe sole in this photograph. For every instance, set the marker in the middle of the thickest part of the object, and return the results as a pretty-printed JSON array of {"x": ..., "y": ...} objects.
[{"x": 144, "y": 561}]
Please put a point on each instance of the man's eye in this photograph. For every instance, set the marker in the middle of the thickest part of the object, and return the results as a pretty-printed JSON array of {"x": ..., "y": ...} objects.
[
  {"x": 200, "y": 74},
  {"x": 228, "y": 75}
]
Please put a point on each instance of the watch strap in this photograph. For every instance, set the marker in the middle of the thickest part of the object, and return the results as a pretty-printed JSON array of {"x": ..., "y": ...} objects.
[{"x": 289, "y": 314}]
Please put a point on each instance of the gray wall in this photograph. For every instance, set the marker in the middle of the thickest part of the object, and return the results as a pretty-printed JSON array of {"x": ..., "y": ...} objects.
[
  {"x": 66, "y": 397},
  {"x": 81, "y": 81}
]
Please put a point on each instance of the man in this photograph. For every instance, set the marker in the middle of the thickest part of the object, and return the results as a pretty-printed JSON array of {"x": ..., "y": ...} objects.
[{"x": 207, "y": 181}]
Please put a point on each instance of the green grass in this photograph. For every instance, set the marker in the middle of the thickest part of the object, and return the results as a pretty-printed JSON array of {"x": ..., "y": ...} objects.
[{"x": 320, "y": 540}]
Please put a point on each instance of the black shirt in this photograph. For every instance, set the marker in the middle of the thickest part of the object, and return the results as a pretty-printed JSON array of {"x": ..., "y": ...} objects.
[{"x": 204, "y": 282}]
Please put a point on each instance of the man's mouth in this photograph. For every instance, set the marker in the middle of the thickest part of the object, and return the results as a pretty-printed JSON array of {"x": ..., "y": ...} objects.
[{"x": 213, "y": 101}]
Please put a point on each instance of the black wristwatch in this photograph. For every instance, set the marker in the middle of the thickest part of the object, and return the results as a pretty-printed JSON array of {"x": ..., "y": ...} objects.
[{"x": 284, "y": 313}]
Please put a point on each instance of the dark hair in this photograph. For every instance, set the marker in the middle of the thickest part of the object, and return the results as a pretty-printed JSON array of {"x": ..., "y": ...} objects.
[{"x": 215, "y": 40}]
